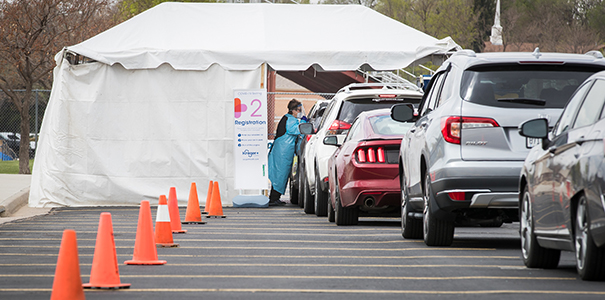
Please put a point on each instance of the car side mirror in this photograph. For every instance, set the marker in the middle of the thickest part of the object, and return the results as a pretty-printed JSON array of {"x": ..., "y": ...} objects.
[
  {"x": 402, "y": 112},
  {"x": 306, "y": 128},
  {"x": 331, "y": 140},
  {"x": 536, "y": 128}
]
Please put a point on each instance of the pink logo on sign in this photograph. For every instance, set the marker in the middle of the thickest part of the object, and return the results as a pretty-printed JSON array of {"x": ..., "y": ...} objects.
[{"x": 239, "y": 108}]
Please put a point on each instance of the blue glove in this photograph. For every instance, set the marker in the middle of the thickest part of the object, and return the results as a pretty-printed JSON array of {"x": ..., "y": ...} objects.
[{"x": 304, "y": 118}]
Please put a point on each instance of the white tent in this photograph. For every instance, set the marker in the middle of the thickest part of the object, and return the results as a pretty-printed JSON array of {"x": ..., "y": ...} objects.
[{"x": 154, "y": 108}]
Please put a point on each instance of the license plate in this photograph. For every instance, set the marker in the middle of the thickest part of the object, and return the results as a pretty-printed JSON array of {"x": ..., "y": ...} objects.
[{"x": 531, "y": 142}]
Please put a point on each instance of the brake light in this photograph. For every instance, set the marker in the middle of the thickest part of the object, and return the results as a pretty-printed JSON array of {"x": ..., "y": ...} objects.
[
  {"x": 361, "y": 156},
  {"x": 371, "y": 155},
  {"x": 451, "y": 127},
  {"x": 308, "y": 137},
  {"x": 338, "y": 127},
  {"x": 387, "y": 96},
  {"x": 458, "y": 196},
  {"x": 380, "y": 154}
]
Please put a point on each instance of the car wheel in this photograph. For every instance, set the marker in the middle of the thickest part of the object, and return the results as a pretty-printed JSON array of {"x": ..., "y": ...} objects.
[
  {"x": 308, "y": 199},
  {"x": 411, "y": 228},
  {"x": 293, "y": 193},
  {"x": 344, "y": 215},
  {"x": 301, "y": 188},
  {"x": 589, "y": 257},
  {"x": 321, "y": 199},
  {"x": 534, "y": 255},
  {"x": 436, "y": 232},
  {"x": 331, "y": 213}
]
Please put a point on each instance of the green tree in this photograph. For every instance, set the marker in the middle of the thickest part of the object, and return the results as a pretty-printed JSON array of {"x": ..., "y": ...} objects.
[
  {"x": 31, "y": 33},
  {"x": 396, "y": 9},
  {"x": 484, "y": 11}
]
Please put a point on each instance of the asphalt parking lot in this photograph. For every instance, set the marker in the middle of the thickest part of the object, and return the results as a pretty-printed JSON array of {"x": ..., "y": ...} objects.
[{"x": 279, "y": 253}]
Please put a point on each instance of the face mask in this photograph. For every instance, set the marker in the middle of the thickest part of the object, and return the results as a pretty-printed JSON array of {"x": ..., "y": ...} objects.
[{"x": 299, "y": 115}]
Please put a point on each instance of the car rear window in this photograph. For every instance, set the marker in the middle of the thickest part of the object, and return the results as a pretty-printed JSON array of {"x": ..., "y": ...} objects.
[
  {"x": 523, "y": 86},
  {"x": 385, "y": 125},
  {"x": 352, "y": 108}
]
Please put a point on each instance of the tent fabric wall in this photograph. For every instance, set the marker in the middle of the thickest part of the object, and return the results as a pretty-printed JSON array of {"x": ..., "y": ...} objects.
[{"x": 113, "y": 136}]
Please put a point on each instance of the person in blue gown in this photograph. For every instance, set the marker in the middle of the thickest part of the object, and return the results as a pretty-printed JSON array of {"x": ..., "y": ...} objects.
[{"x": 281, "y": 155}]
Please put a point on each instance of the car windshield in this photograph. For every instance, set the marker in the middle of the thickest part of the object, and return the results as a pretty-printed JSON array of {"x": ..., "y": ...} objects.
[
  {"x": 352, "y": 108},
  {"x": 523, "y": 86},
  {"x": 385, "y": 125}
]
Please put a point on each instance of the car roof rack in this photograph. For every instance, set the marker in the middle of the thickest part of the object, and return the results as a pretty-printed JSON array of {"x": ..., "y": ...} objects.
[{"x": 384, "y": 86}]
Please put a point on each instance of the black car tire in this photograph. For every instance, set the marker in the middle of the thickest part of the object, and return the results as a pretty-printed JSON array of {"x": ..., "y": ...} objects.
[
  {"x": 590, "y": 259},
  {"x": 411, "y": 228},
  {"x": 293, "y": 192},
  {"x": 301, "y": 187},
  {"x": 331, "y": 213},
  {"x": 321, "y": 199},
  {"x": 534, "y": 255},
  {"x": 308, "y": 199},
  {"x": 436, "y": 232},
  {"x": 344, "y": 215}
]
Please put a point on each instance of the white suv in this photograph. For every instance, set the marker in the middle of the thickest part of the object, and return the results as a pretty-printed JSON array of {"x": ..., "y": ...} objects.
[{"x": 342, "y": 110}]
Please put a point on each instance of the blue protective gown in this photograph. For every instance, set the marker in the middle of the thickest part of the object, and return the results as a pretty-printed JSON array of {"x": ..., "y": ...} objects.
[{"x": 282, "y": 155}]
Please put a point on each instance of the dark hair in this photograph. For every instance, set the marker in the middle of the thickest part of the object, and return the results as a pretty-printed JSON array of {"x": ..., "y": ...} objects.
[{"x": 293, "y": 104}]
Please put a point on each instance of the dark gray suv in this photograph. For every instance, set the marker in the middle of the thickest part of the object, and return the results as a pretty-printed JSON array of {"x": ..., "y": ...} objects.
[{"x": 460, "y": 162}]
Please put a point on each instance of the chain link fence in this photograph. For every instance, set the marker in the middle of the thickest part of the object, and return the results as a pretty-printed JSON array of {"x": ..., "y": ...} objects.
[
  {"x": 10, "y": 123},
  {"x": 277, "y": 105}
]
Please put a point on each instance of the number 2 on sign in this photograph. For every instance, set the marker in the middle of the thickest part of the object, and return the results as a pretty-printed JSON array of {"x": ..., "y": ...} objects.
[{"x": 260, "y": 104}]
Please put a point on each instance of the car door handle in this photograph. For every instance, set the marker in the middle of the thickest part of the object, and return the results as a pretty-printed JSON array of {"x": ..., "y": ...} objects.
[
  {"x": 424, "y": 124},
  {"x": 412, "y": 130}
]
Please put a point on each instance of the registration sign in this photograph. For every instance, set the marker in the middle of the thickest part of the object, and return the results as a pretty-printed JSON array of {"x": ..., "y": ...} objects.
[{"x": 250, "y": 139}]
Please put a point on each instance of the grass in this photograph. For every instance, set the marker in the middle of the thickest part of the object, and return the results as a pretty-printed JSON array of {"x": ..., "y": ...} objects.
[{"x": 12, "y": 166}]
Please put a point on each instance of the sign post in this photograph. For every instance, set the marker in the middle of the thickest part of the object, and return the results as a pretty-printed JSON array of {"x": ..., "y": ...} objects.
[{"x": 250, "y": 142}]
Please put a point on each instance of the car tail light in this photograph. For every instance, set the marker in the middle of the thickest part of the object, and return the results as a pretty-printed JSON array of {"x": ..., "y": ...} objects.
[
  {"x": 371, "y": 155},
  {"x": 338, "y": 127},
  {"x": 308, "y": 137},
  {"x": 361, "y": 156},
  {"x": 451, "y": 127},
  {"x": 458, "y": 196}
]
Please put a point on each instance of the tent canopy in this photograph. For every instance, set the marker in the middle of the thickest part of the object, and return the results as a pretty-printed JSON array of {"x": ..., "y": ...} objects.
[{"x": 193, "y": 36}]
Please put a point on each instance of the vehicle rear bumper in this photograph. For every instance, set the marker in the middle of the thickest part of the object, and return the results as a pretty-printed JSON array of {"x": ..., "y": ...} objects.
[
  {"x": 486, "y": 185},
  {"x": 383, "y": 192}
]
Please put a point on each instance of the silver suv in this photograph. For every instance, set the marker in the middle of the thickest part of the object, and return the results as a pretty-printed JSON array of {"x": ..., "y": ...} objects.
[
  {"x": 340, "y": 113},
  {"x": 461, "y": 160}
]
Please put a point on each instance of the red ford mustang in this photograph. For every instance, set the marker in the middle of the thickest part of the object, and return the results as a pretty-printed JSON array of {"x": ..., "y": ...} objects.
[{"x": 363, "y": 172}]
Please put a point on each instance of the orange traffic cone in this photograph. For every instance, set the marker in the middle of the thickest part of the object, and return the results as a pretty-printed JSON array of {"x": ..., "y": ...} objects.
[
  {"x": 68, "y": 283},
  {"x": 208, "y": 197},
  {"x": 173, "y": 209},
  {"x": 216, "y": 207},
  {"x": 163, "y": 229},
  {"x": 193, "y": 214},
  {"x": 104, "y": 272},
  {"x": 145, "y": 252}
]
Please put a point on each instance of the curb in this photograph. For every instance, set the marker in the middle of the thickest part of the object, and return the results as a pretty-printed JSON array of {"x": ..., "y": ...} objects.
[{"x": 13, "y": 203}]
